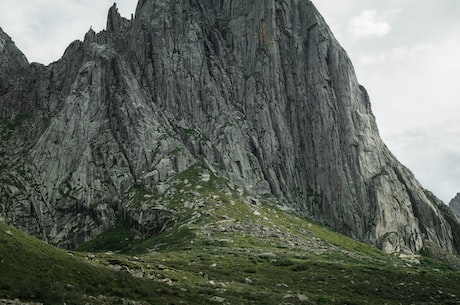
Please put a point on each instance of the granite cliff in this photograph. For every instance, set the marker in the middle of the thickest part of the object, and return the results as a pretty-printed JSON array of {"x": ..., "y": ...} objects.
[
  {"x": 258, "y": 92},
  {"x": 454, "y": 204}
]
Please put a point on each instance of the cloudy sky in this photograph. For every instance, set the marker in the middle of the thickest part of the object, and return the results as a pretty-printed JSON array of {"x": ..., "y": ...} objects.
[{"x": 406, "y": 53}]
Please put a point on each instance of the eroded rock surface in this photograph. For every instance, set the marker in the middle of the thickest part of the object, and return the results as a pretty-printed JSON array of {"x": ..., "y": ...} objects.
[{"x": 258, "y": 91}]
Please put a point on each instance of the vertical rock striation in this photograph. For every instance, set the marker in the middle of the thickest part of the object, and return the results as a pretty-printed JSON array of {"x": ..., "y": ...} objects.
[{"x": 259, "y": 91}]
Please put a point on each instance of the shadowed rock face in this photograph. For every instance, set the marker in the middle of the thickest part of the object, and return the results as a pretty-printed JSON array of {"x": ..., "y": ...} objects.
[{"x": 258, "y": 91}]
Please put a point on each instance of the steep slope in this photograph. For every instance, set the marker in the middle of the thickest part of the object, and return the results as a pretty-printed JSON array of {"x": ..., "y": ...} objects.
[
  {"x": 34, "y": 270},
  {"x": 258, "y": 91},
  {"x": 11, "y": 60}
]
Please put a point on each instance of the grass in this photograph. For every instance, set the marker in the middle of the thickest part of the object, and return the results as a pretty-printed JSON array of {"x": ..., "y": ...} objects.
[
  {"x": 136, "y": 194},
  {"x": 224, "y": 250},
  {"x": 118, "y": 238},
  {"x": 237, "y": 121},
  {"x": 33, "y": 270}
]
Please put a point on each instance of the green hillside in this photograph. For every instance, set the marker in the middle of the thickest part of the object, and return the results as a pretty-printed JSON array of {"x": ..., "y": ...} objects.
[{"x": 226, "y": 247}]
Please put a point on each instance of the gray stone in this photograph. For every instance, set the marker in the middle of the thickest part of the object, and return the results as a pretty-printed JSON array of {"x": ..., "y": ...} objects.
[
  {"x": 12, "y": 60},
  {"x": 302, "y": 298},
  {"x": 454, "y": 204},
  {"x": 217, "y": 299}
]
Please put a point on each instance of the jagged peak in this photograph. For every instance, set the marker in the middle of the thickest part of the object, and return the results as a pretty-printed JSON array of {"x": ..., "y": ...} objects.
[
  {"x": 11, "y": 57},
  {"x": 455, "y": 199},
  {"x": 115, "y": 22},
  {"x": 113, "y": 19},
  {"x": 4, "y": 39},
  {"x": 90, "y": 36},
  {"x": 454, "y": 204}
]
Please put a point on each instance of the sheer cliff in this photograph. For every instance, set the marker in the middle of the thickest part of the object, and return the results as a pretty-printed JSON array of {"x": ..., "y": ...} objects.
[{"x": 259, "y": 92}]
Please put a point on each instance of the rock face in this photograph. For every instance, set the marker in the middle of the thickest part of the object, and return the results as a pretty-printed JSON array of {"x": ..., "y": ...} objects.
[
  {"x": 12, "y": 59},
  {"x": 258, "y": 91},
  {"x": 454, "y": 204}
]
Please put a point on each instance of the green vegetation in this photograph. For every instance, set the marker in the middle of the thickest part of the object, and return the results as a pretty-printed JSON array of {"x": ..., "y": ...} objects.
[
  {"x": 237, "y": 121},
  {"x": 34, "y": 270},
  {"x": 119, "y": 238},
  {"x": 176, "y": 152},
  {"x": 137, "y": 194},
  {"x": 224, "y": 248}
]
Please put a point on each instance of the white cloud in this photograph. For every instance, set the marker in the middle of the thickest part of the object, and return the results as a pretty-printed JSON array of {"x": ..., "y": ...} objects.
[
  {"x": 367, "y": 25},
  {"x": 433, "y": 155},
  {"x": 422, "y": 79},
  {"x": 415, "y": 97}
]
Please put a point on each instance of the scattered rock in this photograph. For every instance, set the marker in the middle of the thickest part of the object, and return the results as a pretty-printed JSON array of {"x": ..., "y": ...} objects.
[
  {"x": 217, "y": 299},
  {"x": 9, "y": 233},
  {"x": 166, "y": 281},
  {"x": 161, "y": 267},
  {"x": 248, "y": 281},
  {"x": 303, "y": 298},
  {"x": 267, "y": 254},
  {"x": 288, "y": 296},
  {"x": 410, "y": 258},
  {"x": 205, "y": 177}
]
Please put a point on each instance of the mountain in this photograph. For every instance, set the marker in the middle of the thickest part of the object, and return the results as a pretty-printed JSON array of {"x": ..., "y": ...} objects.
[
  {"x": 454, "y": 204},
  {"x": 256, "y": 92}
]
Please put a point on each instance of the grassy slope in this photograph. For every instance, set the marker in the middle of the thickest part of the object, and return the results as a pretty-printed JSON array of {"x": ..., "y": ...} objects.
[
  {"x": 34, "y": 270},
  {"x": 222, "y": 250}
]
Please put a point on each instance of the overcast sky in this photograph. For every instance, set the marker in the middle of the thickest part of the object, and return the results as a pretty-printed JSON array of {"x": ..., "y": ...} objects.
[{"x": 405, "y": 52}]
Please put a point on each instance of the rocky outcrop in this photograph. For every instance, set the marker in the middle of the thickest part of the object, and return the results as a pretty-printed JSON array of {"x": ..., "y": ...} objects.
[
  {"x": 12, "y": 62},
  {"x": 454, "y": 204},
  {"x": 11, "y": 59},
  {"x": 258, "y": 91}
]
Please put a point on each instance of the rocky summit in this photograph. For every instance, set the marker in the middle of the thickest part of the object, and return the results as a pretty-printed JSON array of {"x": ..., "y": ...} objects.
[
  {"x": 259, "y": 93},
  {"x": 454, "y": 204}
]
